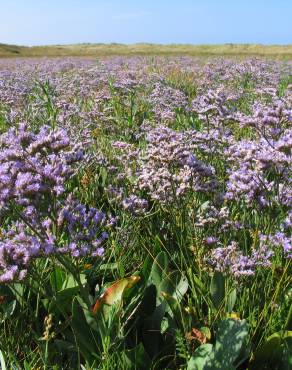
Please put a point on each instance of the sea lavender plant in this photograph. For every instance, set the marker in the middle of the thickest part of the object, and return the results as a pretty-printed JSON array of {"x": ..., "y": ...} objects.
[
  {"x": 231, "y": 260},
  {"x": 166, "y": 101},
  {"x": 169, "y": 168},
  {"x": 44, "y": 220}
]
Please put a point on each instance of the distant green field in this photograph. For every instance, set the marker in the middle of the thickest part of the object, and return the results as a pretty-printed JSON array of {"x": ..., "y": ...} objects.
[{"x": 92, "y": 50}]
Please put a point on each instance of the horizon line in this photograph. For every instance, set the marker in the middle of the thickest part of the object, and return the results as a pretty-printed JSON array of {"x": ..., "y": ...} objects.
[{"x": 149, "y": 43}]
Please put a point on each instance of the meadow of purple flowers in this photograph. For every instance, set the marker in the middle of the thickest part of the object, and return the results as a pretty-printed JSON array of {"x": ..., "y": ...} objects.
[{"x": 155, "y": 168}]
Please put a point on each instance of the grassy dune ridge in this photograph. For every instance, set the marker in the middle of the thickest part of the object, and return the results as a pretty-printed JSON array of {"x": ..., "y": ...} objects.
[{"x": 278, "y": 51}]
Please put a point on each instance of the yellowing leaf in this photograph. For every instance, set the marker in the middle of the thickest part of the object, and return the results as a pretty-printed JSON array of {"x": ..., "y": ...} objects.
[{"x": 115, "y": 292}]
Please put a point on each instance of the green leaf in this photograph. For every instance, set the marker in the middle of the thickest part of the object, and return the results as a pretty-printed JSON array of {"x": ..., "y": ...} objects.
[
  {"x": 148, "y": 303},
  {"x": 288, "y": 324},
  {"x": 2, "y": 361},
  {"x": 181, "y": 288},
  {"x": 57, "y": 278},
  {"x": 63, "y": 300},
  {"x": 86, "y": 341},
  {"x": 9, "y": 308},
  {"x": 64, "y": 345},
  {"x": 114, "y": 293},
  {"x": 199, "y": 284},
  {"x": 109, "y": 266},
  {"x": 176, "y": 312},
  {"x": 151, "y": 330},
  {"x": 231, "y": 299},
  {"x": 151, "y": 326},
  {"x": 173, "y": 305},
  {"x": 26, "y": 365},
  {"x": 151, "y": 334},
  {"x": 200, "y": 357},
  {"x": 19, "y": 293},
  {"x": 146, "y": 269},
  {"x": 275, "y": 353},
  {"x": 159, "y": 269},
  {"x": 230, "y": 338},
  {"x": 217, "y": 288},
  {"x": 206, "y": 331},
  {"x": 168, "y": 284},
  {"x": 137, "y": 358},
  {"x": 70, "y": 282}
]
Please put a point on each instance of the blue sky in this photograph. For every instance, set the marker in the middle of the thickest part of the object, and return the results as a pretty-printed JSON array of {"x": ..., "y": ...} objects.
[{"x": 37, "y": 22}]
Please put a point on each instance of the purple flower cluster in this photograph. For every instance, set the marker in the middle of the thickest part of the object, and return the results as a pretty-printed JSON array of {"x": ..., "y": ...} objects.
[
  {"x": 278, "y": 240},
  {"x": 17, "y": 248},
  {"x": 210, "y": 216},
  {"x": 166, "y": 169},
  {"x": 169, "y": 168},
  {"x": 261, "y": 170},
  {"x": 77, "y": 232},
  {"x": 34, "y": 165},
  {"x": 231, "y": 260},
  {"x": 220, "y": 151},
  {"x": 34, "y": 169},
  {"x": 135, "y": 205},
  {"x": 132, "y": 203},
  {"x": 213, "y": 107},
  {"x": 82, "y": 227},
  {"x": 269, "y": 120},
  {"x": 166, "y": 101}
]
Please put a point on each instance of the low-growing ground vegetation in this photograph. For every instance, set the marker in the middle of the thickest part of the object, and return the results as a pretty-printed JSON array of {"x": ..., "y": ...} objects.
[{"x": 145, "y": 213}]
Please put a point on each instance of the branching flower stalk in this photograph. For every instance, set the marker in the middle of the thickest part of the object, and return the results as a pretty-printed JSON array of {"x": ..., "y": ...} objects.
[{"x": 46, "y": 222}]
